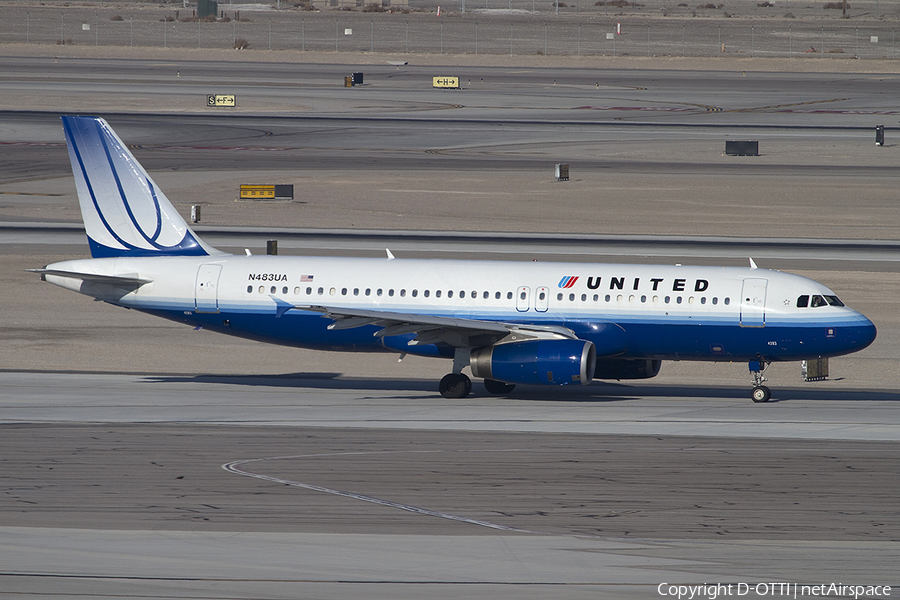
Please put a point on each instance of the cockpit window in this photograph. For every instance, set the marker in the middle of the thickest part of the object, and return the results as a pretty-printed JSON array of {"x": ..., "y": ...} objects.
[{"x": 817, "y": 301}]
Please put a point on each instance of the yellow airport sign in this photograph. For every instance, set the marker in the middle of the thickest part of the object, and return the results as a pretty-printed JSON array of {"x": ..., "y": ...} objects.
[
  {"x": 220, "y": 100},
  {"x": 445, "y": 82},
  {"x": 257, "y": 192},
  {"x": 267, "y": 192}
]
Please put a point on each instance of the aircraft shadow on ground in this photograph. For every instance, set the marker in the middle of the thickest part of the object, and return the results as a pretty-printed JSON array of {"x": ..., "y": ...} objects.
[{"x": 596, "y": 392}]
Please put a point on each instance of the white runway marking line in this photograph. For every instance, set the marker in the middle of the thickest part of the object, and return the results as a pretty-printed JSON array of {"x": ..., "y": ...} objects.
[{"x": 235, "y": 467}]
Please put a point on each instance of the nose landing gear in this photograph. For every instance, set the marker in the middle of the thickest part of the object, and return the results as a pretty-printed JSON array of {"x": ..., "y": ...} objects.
[{"x": 760, "y": 393}]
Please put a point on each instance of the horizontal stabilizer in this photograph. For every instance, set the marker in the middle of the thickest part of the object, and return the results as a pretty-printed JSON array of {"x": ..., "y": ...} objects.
[{"x": 123, "y": 280}]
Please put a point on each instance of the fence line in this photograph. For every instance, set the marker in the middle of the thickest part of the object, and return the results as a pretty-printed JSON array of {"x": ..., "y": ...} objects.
[{"x": 398, "y": 34}]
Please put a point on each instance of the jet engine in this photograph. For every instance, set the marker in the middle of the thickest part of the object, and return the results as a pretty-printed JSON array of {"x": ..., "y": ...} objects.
[{"x": 542, "y": 362}]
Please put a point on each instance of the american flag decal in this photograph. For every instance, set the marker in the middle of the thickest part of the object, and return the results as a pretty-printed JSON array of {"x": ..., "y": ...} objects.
[{"x": 306, "y": 278}]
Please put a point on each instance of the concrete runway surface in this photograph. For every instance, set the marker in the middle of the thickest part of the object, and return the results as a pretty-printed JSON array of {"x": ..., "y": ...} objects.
[{"x": 141, "y": 459}]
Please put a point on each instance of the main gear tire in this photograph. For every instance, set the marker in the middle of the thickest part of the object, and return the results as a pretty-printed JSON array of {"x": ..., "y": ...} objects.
[{"x": 455, "y": 385}]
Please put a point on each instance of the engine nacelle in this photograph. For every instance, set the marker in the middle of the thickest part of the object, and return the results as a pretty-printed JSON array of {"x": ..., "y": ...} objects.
[
  {"x": 627, "y": 368},
  {"x": 541, "y": 362}
]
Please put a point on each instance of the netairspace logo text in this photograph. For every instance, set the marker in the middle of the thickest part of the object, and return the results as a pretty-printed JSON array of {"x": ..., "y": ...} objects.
[{"x": 772, "y": 590}]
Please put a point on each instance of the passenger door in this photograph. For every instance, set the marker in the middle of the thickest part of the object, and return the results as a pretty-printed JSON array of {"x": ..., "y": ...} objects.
[
  {"x": 753, "y": 303},
  {"x": 206, "y": 292}
]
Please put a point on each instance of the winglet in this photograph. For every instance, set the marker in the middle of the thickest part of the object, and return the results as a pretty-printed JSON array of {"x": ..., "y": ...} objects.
[
  {"x": 753, "y": 264},
  {"x": 389, "y": 255}
]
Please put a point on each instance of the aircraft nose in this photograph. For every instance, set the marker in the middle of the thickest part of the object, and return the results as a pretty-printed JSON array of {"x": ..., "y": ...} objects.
[{"x": 864, "y": 332}]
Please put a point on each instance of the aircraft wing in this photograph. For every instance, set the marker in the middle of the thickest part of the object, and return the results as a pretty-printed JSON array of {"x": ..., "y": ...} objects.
[{"x": 430, "y": 329}]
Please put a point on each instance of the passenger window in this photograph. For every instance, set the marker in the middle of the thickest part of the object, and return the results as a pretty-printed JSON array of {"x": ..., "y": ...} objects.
[
  {"x": 321, "y": 291},
  {"x": 571, "y": 297},
  {"x": 368, "y": 291},
  {"x": 715, "y": 301},
  {"x": 818, "y": 301},
  {"x": 703, "y": 300},
  {"x": 608, "y": 298},
  {"x": 727, "y": 301},
  {"x": 391, "y": 292},
  {"x": 596, "y": 297},
  {"x": 559, "y": 296},
  {"x": 378, "y": 292},
  {"x": 678, "y": 300},
  {"x": 497, "y": 295},
  {"x": 344, "y": 292},
  {"x": 803, "y": 301},
  {"x": 449, "y": 293},
  {"x": 522, "y": 296},
  {"x": 415, "y": 293},
  {"x": 403, "y": 293},
  {"x": 356, "y": 291},
  {"x": 284, "y": 290},
  {"x": 437, "y": 294},
  {"x": 272, "y": 290},
  {"x": 426, "y": 293},
  {"x": 509, "y": 295},
  {"x": 487, "y": 295},
  {"x": 262, "y": 289},
  {"x": 249, "y": 288},
  {"x": 542, "y": 295},
  {"x": 296, "y": 291},
  {"x": 474, "y": 294},
  {"x": 643, "y": 299}
]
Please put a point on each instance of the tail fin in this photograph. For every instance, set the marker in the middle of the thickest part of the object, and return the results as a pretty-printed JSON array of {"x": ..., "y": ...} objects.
[{"x": 124, "y": 212}]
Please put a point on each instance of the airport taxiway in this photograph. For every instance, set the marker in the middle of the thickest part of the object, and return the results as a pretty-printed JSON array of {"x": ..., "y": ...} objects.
[{"x": 362, "y": 481}]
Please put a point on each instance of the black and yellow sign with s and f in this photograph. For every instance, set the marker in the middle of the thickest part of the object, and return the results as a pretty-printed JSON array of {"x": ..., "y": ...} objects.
[{"x": 220, "y": 100}]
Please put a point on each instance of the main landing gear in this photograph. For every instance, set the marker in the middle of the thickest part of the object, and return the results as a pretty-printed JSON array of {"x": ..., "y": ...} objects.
[
  {"x": 760, "y": 392},
  {"x": 498, "y": 388},
  {"x": 457, "y": 385}
]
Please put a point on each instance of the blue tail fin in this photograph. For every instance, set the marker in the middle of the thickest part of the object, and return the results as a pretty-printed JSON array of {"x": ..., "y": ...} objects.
[{"x": 124, "y": 212}]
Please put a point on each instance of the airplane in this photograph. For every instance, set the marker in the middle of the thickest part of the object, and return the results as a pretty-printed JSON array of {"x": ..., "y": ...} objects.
[{"x": 509, "y": 323}]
